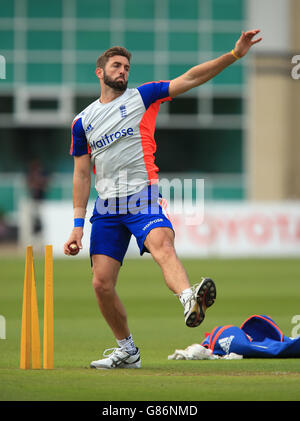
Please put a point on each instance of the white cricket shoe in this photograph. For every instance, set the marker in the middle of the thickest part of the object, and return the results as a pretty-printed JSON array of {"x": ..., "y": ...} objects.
[
  {"x": 203, "y": 296},
  {"x": 118, "y": 358}
]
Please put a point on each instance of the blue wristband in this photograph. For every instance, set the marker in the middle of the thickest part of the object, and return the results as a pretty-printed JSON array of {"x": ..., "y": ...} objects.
[{"x": 78, "y": 222}]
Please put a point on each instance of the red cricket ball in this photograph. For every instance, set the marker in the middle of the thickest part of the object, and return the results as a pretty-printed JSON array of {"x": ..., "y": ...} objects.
[{"x": 74, "y": 249}]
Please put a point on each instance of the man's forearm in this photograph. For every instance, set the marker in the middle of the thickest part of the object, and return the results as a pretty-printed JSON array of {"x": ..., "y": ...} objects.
[
  {"x": 206, "y": 71},
  {"x": 81, "y": 192}
]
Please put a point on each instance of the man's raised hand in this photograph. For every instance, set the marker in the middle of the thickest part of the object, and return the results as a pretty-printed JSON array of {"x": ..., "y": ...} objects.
[{"x": 245, "y": 42}]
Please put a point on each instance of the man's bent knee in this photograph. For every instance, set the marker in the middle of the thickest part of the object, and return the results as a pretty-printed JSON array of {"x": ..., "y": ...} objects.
[
  {"x": 103, "y": 285},
  {"x": 105, "y": 274},
  {"x": 164, "y": 251}
]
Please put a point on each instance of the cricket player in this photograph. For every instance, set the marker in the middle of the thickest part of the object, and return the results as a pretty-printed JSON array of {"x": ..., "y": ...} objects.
[{"x": 115, "y": 135}]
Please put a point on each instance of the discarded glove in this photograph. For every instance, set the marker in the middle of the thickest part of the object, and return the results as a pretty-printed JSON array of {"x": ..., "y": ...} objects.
[{"x": 199, "y": 352}]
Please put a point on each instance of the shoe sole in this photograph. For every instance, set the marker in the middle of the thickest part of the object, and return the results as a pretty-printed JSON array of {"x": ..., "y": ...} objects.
[
  {"x": 136, "y": 365},
  {"x": 206, "y": 296},
  {"x": 124, "y": 364}
]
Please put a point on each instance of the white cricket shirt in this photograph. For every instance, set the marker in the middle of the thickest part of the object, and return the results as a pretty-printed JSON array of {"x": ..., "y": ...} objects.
[{"x": 119, "y": 136}]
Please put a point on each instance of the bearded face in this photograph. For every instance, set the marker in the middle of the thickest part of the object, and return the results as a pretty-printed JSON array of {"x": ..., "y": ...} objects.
[{"x": 117, "y": 83}]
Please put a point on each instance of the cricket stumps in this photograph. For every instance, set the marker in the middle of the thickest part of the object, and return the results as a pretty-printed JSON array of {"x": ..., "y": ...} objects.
[{"x": 30, "y": 333}]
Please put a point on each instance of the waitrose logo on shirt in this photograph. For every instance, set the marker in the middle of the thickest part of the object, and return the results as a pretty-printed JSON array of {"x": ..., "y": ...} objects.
[{"x": 107, "y": 139}]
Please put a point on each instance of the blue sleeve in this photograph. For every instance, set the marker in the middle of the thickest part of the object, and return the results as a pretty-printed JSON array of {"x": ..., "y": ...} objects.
[
  {"x": 79, "y": 145},
  {"x": 151, "y": 92}
]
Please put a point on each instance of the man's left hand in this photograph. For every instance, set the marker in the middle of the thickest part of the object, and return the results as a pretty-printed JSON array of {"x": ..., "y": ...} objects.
[{"x": 245, "y": 42}]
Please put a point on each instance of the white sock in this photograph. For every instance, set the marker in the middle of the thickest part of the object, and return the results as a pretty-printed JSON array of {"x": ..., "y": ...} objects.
[
  {"x": 127, "y": 344},
  {"x": 185, "y": 294}
]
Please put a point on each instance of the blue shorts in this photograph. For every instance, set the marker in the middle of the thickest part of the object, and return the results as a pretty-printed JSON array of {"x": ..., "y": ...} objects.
[{"x": 115, "y": 220}]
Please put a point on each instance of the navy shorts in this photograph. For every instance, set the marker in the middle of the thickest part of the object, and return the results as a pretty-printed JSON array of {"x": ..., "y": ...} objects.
[{"x": 115, "y": 220}]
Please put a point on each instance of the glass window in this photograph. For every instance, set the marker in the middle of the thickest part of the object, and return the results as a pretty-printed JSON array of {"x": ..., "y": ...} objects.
[
  {"x": 6, "y": 40},
  {"x": 224, "y": 41},
  {"x": 7, "y": 9},
  {"x": 233, "y": 75},
  {"x": 44, "y": 73},
  {"x": 227, "y": 105},
  {"x": 180, "y": 10},
  {"x": 183, "y": 41},
  {"x": 6, "y": 198},
  {"x": 94, "y": 9},
  {"x": 43, "y": 104},
  {"x": 44, "y": 9},
  {"x": 184, "y": 105},
  {"x": 6, "y": 104},
  {"x": 220, "y": 151},
  {"x": 93, "y": 40},
  {"x": 140, "y": 41},
  {"x": 228, "y": 193},
  {"x": 136, "y": 9},
  {"x": 228, "y": 10},
  {"x": 44, "y": 40},
  {"x": 141, "y": 73},
  {"x": 85, "y": 73}
]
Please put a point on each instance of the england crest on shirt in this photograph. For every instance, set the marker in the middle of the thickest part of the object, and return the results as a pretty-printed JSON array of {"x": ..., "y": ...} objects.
[{"x": 123, "y": 111}]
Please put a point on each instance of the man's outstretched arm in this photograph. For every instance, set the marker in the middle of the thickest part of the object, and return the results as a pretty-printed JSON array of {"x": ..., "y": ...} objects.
[{"x": 202, "y": 73}]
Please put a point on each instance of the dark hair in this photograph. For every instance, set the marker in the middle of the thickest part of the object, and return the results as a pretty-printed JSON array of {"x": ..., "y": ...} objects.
[{"x": 113, "y": 51}]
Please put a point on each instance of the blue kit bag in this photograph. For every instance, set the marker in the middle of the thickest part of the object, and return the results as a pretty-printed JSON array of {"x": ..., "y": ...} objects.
[{"x": 258, "y": 337}]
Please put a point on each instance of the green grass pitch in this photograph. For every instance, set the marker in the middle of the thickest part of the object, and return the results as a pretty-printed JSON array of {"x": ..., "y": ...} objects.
[{"x": 244, "y": 287}]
